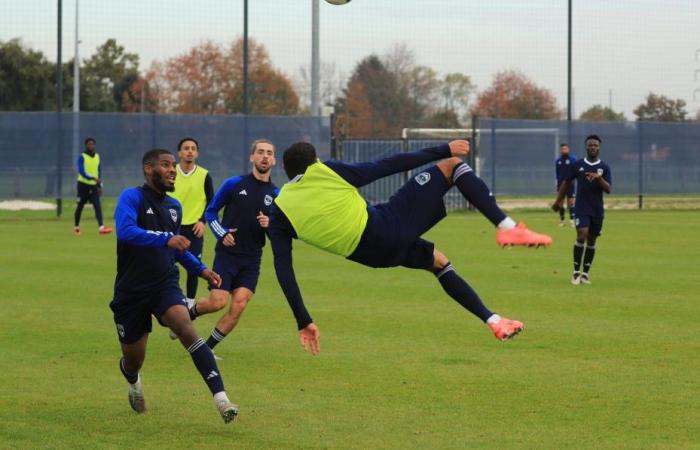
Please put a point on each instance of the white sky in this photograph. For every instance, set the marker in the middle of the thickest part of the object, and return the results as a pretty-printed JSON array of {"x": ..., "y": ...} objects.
[{"x": 624, "y": 47}]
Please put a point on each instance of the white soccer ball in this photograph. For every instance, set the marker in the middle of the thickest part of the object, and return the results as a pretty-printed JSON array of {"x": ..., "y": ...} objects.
[{"x": 337, "y": 2}]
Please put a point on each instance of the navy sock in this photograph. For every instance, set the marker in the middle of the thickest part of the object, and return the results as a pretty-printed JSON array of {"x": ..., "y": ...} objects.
[
  {"x": 98, "y": 210},
  {"x": 477, "y": 193},
  {"x": 578, "y": 252},
  {"x": 193, "y": 312},
  {"x": 463, "y": 294},
  {"x": 130, "y": 377},
  {"x": 561, "y": 213},
  {"x": 571, "y": 213},
  {"x": 206, "y": 365},
  {"x": 588, "y": 258},
  {"x": 216, "y": 337}
]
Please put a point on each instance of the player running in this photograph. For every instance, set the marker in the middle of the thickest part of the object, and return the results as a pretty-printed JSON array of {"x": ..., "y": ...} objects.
[
  {"x": 321, "y": 205},
  {"x": 562, "y": 166},
  {"x": 89, "y": 186},
  {"x": 592, "y": 177},
  {"x": 246, "y": 201},
  {"x": 148, "y": 244},
  {"x": 194, "y": 190}
]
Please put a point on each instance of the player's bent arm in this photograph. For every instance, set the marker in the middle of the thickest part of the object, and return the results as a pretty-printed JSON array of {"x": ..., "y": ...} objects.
[
  {"x": 360, "y": 174},
  {"x": 604, "y": 182},
  {"x": 563, "y": 189},
  {"x": 125, "y": 218},
  {"x": 81, "y": 168},
  {"x": 211, "y": 214},
  {"x": 190, "y": 262},
  {"x": 208, "y": 194}
]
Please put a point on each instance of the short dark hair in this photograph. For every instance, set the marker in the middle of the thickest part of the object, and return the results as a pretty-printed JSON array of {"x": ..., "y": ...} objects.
[
  {"x": 151, "y": 156},
  {"x": 90, "y": 139},
  {"x": 297, "y": 158},
  {"x": 260, "y": 141},
  {"x": 563, "y": 144},
  {"x": 185, "y": 139},
  {"x": 595, "y": 137}
]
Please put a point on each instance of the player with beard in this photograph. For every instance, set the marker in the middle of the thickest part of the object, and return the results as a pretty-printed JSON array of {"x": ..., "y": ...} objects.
[
  {"x": 147, "y": 283},
  {"x": 246, "y": 201}
]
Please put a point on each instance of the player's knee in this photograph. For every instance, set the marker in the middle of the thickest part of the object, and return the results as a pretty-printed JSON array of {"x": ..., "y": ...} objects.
[
  {"x": 440, "y": 261},
  {"x": 447, "y": 167},
  {"x": 218, "y": 301},
  {"x": 238, "y": 304}
]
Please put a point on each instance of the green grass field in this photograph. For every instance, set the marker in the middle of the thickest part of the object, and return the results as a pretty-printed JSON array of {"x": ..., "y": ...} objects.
[{"x": 611, "y": 365}]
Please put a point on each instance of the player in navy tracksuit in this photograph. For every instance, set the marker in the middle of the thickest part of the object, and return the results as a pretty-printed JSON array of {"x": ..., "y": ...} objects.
[
  {"x": 593, "y": 178},
  {"x": 240, "y": 235},
  {"x": 147, "y": 282},
  {"x": 562, "y": 168}
]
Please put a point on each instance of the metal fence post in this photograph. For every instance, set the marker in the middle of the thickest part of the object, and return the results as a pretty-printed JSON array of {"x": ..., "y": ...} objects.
[
  {"x": 493, "y": 155},
  {"x": 640, "y": 159}
]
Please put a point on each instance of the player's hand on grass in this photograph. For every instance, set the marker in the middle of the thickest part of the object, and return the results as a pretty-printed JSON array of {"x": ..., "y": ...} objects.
[
  {"x": 212, "y": 277},
  {"x": 459, "y": 148},
  {"x": 263, "y": 220},
  {"x": 229, "y": 240},
  {"x": 179, "y": 243},
  {"x": 198, "y": 229},
  {"x": 309, "y": 339}
]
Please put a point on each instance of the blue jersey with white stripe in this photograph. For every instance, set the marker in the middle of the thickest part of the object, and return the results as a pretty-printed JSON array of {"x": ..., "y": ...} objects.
[
  {"x": 589, "y": 194},
  {"x": 145, "y": 221},
  {"x": 242, "y": 199}
]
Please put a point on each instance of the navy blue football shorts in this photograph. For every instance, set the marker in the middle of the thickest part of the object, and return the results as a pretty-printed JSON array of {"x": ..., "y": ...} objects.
[
  {"x": 236, "y": 271},
  {"x": 132, "y": 311},
  {"x": 593, "y": 223},
  {"x": 393, "y": 233},
  {"x": 570, "y": 193}
]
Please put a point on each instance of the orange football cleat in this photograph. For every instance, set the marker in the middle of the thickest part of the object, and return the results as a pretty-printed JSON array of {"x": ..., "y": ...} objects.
[
  {"x": 105, "y": 230},
  {"x": 505, "y": 329},
  {"x": 521, "y": 235}
]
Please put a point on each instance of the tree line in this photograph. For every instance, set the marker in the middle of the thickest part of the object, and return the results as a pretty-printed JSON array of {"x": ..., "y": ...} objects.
[{"x": 383, "y": 94}]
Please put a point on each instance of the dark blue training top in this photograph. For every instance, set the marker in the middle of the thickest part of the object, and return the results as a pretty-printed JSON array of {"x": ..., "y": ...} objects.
[
  {"x": 281, "y": 231},
  {"x": 562, "y": 167},
  {"x": 145, "y": 221},
  {"x": 589, "y": 194},
  {"x": 243, "y": 198}
]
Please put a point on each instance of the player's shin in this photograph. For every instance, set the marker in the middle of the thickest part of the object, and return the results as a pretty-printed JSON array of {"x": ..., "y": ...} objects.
[
  {"x": 462, "y": 293},
  {"x": 578, "y": 252},
  {"x": 588, "y": 256},
  {"x": 478, "y": 194},
  {"x": 203, "y": 359}
]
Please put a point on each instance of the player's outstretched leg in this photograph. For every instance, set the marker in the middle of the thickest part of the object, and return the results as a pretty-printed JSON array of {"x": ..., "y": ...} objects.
[
  {"x": 463, "y": 294},
  {"x": 76, "y": 216},
  {"x": 129, "y": 365},
  {"x": 478, "y": 194},
  {"x": 240, "y": 297},
  {"x": 588, "y": 255},
  {"x": 178, "y": 320}
]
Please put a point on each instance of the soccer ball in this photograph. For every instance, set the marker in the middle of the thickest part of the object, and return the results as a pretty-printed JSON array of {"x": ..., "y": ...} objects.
[{"x": 338, "y": 2}]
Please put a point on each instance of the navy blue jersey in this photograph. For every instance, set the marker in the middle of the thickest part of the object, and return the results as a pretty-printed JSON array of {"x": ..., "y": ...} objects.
[
  {"x": 145, "y": 221},
  {"x": 589, "y": 194},
  {"x": 242, "y": 198},
  {"x": 358, "y": 174},
  {"x": 562, "y": 166}
]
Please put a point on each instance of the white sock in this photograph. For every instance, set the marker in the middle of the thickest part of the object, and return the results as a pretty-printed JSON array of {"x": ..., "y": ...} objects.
[
  {"x": 495, "y": 318},
  {"x": 102, "y": 227},
  {"x": 137, "y": 385},
  {"x": 507, "y": 224},
  {"x": 221, "y": 397}
]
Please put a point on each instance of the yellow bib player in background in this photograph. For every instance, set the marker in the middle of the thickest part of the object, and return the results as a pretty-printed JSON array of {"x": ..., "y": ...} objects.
[
  {"x": 89, "y": 186},
  {"x": 194, "y": 189}
]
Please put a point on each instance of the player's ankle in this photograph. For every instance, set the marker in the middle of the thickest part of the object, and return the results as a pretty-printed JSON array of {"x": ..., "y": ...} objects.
[
  {"x": 221, "y": 397},
  {"x": 495, "y": 318},
  {"x": 507, "y": 224}
]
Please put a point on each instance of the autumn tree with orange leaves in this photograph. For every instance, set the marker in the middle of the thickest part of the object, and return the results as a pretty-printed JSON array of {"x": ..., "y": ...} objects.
[
  {"x": 514, "y": 96},
  {"x": 208, "y": 79}
]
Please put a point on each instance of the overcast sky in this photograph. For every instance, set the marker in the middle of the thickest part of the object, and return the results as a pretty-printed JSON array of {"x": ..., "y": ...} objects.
[{"x": 623, "y": 49}]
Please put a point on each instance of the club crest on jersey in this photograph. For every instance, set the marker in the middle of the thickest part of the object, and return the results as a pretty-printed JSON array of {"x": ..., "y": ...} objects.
[
  {"x": 566, "y": 162},
  {"x": 600, "y": 172},
  {"x": 173, "y": 214},
  {"x": 422, "y": 178},
  {"x": 268, "y": 200},
  {"x": 120, "y": 330}
]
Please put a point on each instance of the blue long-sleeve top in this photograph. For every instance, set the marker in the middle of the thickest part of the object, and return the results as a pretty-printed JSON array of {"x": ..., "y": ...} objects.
[
  {"x": 242, "y": 199},
  {"x": 562, "y": 167},
  {"x": 281, "y": 231},
  {"x": 81, "y": 168},
  {"x": 145, "y": 221}
]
